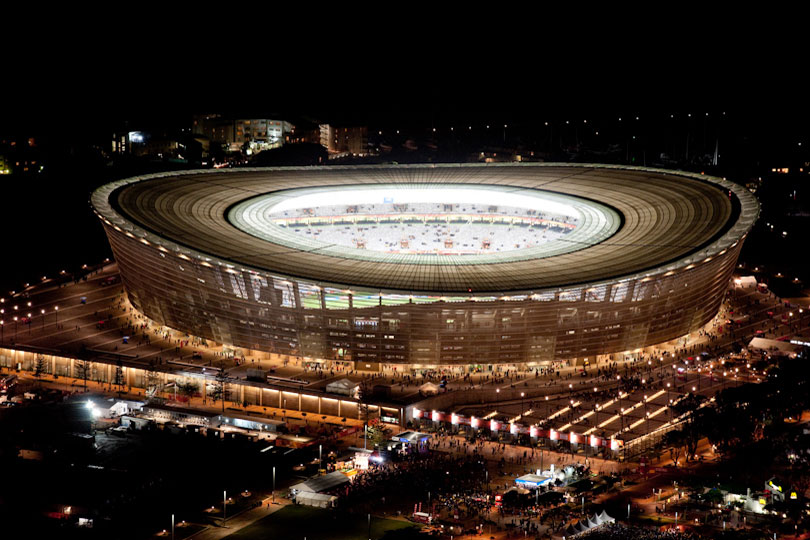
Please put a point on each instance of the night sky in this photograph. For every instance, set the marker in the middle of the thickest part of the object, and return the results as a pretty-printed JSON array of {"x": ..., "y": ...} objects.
[{"x": 91, "y": 84}]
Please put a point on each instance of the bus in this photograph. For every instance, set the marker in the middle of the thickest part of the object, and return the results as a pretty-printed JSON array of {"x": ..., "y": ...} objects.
[{"x": 7, "y": 383}]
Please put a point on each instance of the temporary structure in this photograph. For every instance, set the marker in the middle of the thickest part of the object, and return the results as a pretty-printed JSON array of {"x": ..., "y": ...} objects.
[
  {"x": 318, "y": 500},
  {"x": 588, "y": 524},
  {"x": 323, "y": 483},
  {"x": 745, "y": 282},
  {"x": 774, "y": 345},
  {"x": 344, "y": 387}
]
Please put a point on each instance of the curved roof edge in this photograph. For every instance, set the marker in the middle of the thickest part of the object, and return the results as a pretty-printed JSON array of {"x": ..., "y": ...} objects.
[{"x": 749, "y": 213}]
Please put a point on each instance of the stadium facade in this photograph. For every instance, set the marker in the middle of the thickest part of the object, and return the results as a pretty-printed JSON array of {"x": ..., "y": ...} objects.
[{"x": 280, "y": 260}]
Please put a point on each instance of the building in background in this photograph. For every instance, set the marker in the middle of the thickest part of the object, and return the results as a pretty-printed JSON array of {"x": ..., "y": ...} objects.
[
  {"x": 304, "y": 133},
  {"x": 340, "y": 141},
  {"x": 248, "y": 135},
  {"x": 162, "y": 146},
  {"x": 20, "y": 155}
]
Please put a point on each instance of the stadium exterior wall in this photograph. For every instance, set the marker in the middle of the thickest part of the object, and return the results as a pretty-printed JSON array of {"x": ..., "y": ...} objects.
[{"x": 257, "y": 310}]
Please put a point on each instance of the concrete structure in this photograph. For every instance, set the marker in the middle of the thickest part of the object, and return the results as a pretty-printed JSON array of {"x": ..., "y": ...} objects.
[{"x": 648, "y": 259}]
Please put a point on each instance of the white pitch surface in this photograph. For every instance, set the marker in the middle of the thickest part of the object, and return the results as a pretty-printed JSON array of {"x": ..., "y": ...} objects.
[{"x": 473, "y": 238}]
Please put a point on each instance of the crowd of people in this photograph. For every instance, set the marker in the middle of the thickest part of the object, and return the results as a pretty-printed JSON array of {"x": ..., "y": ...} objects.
[
  {"x": 418, "y": 476},
  {"x": 618, "y": 531}
]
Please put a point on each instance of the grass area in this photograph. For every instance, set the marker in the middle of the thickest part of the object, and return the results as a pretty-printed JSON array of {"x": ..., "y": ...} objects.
[
  {"x": 181, "y": 531},
  {"x": 295, "y": 521}
]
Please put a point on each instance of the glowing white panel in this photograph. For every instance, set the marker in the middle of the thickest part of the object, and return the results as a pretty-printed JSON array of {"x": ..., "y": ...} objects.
[{"x": 424, "y": 194}]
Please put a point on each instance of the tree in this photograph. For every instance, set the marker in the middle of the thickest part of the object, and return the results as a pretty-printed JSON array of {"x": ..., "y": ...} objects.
[
  {"x": 219, "y": 391},
  {"x": 676, "y": 441},
  {"x": 153, "y": 384},
  {"x": 188, "y": 389},
  {"x": 83, "y": 370},
  {"x": 119, "y": 375},
  {"x": 39, "y": 366},
  {"x": 692, "y": 428},
  {"x": 364, "y": 395},
  {"x": 378, "y": 434}
]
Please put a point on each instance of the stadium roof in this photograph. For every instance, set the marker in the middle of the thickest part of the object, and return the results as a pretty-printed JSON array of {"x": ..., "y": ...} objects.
[{"x": 669, "y": 220}]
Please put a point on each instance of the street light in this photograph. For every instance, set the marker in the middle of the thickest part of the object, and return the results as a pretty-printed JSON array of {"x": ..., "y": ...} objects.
[
  {"x": 56, "y": 313},
  {"x": 224, "y": 508}
]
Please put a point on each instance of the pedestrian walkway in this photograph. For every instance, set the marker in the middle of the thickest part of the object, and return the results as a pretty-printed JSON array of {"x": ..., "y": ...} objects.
[{"x": 242, "y": 520}]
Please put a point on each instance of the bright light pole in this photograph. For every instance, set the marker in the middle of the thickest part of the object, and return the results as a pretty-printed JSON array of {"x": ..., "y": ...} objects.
[
  {"x": 224, "y": 508},
  {"x": 274, "y": 485},
  {"x": 172, "y": 526},
  {"x": 56, "y": 314},
  {"x": 42, "y": 312}
]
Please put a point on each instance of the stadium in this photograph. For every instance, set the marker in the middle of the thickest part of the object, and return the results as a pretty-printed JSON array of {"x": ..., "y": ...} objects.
[{"x": 422, "y": 266}]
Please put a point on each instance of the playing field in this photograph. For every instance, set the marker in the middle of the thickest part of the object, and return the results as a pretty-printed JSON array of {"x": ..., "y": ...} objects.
[{"x": 299, "y": 522}]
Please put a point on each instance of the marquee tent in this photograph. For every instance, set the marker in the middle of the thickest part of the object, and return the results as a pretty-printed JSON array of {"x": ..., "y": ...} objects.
[{"x": 588, "y": 524}]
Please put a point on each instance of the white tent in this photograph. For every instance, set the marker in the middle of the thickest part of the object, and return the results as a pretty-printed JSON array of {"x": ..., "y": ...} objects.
[
  {"x": 745, "y": 282},
  {"x": 344, "y": 387},
  {"x": 322, "y": 483},
  {"x": 605, "y": 518},
  {"x": 774, "y": 345},
  {"x": 589, "y": 523},
  {"x": 429, "y": 388},
  {"x": 318, "y": 500}
]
